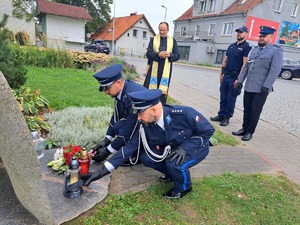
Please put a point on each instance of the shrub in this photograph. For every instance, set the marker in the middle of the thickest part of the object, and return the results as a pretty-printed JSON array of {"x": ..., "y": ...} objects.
[
  {"x": 44, "y": 57},
  {"x": 10, "y": 65},
  {"x": 33, "y": 105},
  {"x": 84, "y": 60},
  {"x": 22, "y": 38},
  {"x": 78, "y": 126}
]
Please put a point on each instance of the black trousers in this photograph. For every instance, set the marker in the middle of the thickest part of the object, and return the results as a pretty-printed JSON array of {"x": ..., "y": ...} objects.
[{"x": 253, "y": 105}]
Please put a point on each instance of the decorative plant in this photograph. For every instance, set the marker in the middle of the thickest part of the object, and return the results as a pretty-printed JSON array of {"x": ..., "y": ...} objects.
[{"x": 33, "y": 105}]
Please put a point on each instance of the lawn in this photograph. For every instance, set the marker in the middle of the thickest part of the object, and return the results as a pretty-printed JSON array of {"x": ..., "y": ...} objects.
[{"x": 221, "y": 199}]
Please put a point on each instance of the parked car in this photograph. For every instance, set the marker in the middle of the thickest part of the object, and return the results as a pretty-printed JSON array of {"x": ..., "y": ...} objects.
[
  {"x": 290, "y": 69},
  {"x": 97, "y": 46}
]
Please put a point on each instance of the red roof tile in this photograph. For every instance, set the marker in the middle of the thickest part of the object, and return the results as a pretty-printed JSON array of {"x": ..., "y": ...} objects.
[
  {"x": 65, "y": 10},
  {"x": 234, "y": 8},
  {"x": 122, "y": 24}
]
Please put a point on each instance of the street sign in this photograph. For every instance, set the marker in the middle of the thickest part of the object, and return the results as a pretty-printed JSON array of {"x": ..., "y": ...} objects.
[{"x": 254, "y": 23}]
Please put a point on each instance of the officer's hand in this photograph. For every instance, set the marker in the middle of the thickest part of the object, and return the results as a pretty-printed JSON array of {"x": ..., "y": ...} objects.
[
  {"x": 264, "y": 90},
  {"x": 102, "y": 144},
  {"x": 237, "y": 85},
  {"x": 178, "y": 153},
  {"x": 221, "y": 78},
  {"x": 101, "y": 154},
  {"x": 92, "y": 176}
]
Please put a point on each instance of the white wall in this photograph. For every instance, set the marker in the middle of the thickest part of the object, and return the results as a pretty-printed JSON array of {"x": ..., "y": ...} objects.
[
  {"x": 135, "y": 45},
  {"x": 16, "y": 25},
  {"x": 62, "y": 29}
]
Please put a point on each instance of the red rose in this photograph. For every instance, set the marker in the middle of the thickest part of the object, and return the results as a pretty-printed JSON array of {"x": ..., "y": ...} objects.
[
  {"x": 76, "y": 149},
  {"x": 68, "y": 157}
]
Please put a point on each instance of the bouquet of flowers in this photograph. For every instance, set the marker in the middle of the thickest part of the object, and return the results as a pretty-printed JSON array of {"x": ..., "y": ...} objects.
[{"x": 62, "y": 158}]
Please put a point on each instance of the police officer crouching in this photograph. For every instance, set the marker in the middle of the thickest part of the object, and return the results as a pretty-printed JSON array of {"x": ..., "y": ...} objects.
[
  {"x": 122, "y": 122},
  {"x": 169, "y": 139}
]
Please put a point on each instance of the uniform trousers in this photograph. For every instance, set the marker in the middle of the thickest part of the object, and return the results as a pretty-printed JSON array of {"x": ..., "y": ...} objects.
[
  {"x": 253, "y": 105},
  {"x": 228, "y": 95},
  {"x": 180, "y": 174}
]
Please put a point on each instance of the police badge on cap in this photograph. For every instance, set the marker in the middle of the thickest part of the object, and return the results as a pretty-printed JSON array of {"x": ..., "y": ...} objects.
[
  {"x": 142, "y": 100},
  {"x": 265, "y": 30},
  {"x": 108, "y": 76}
]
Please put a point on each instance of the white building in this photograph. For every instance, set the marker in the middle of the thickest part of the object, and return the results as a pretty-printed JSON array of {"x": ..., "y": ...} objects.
[
  {"x": 62, "y": 25},
  {"x": 16, "y": 25},
  {"x": 131, "y": 35},
  {"x": 206, "y": 29}
]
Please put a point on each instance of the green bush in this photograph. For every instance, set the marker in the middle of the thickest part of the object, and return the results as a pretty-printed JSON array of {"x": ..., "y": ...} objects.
[
  {"x": 45, "y": 57},
  {"x": 10, "y": 65},
  {"x": 33, "y": 105}
]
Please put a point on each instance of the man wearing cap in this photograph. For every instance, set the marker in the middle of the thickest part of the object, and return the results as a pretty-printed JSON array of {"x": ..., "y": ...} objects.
[
  {"x": 162, "y": 51},
  {"x": 261, "y": 70},
  {"x": 234, "y": 61},
  {"x": 122, "y": 121},
  {"x": 169, "y": 139}
]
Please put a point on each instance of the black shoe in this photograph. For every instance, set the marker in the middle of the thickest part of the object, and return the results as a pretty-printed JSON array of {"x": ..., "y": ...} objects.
[
  {"x": 165, "y": 179},
  {"x": 217, "y": 118},
  {"x": 225, "y": 122},
  {"x": 172, "y": 195},
  {"x": 247, "y": 137},
  {"x": 240, "y": 132}
]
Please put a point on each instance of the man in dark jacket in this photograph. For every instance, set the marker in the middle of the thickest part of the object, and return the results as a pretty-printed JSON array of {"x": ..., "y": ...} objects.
[
  {"x": 122, "y": 121},
  {"x": 161, "y": 53}
]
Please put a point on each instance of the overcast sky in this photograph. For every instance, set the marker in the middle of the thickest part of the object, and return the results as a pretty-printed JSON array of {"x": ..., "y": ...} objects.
[{"x": 153, "y": 10}]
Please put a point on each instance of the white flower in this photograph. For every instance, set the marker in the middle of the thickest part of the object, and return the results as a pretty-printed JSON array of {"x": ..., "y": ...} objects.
[{"x": 59, "y": 153}]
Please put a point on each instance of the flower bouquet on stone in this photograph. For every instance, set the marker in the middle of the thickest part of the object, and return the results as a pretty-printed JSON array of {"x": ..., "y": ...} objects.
[{"x": 62, "y": 158}]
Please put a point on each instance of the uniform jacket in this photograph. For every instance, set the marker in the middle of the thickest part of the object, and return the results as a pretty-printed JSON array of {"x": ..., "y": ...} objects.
[
  {"x": 262, "y": 68},
  {"x": 123, "y": 111},
  {"x": 184, "y": 127}
]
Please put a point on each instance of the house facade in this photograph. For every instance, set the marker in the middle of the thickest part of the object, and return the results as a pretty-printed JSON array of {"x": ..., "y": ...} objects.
[
  {"x": 129, "y": 35},
  {"x": 62, "y": 26},
  {"x": 206, "y": 29},
  {"x": 16, "y": 25}
]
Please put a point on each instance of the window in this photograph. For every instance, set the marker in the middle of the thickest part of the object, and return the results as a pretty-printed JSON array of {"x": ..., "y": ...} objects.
[
  {"x": 202, "y": 5},
  {"x": 212, "y": 29},
  {"x": 278, "y": 5},
  {"x": 295, "y": 9},
  {"x": 182, "y": 31},
  {"x": 134, "y": 34},
  {"x": 243, "y": 2},
  {"x": 220, "y": 56},
  {"x": 228, "y": 28},
  {"x": 211, "y": 5},
  {"x": 144, "y": 34},
  {"x": 197, "y": 34}
]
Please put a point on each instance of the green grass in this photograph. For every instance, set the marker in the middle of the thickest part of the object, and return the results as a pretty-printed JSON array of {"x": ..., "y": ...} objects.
[
  {"x": 67, "y": 87},
  {"x": 222, "y": 199}
]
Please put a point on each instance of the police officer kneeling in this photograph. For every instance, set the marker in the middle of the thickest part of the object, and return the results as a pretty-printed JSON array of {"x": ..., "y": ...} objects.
[{"x": 169, "y": 139}]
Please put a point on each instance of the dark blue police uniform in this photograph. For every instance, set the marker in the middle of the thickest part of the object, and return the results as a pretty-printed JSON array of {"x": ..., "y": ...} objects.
[
  {"x": 235, "y": 54},
  {"x": 183, "y": 127},
  {"x": 122, "y": 121}
]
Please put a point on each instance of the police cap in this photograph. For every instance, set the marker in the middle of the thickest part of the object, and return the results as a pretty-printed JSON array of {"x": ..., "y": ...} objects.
[
  {"x": 142, "y": 100},
  {"x": 264, "y": 30},
  {"x": 242, "y": 29},
  {"x": 108, "y": 76}
]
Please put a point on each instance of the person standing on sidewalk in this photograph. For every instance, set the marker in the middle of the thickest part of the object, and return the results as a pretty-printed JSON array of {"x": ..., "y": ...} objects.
[
  {"x": 234, "y": 61},
  {"x": 262, "y": 69},
  {"x": 162, "y": 51},
  {"x": 169, "y": 139}
]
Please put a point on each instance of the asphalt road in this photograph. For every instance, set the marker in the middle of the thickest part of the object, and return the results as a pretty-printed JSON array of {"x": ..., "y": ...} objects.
[{"x": 282, "y": 106}]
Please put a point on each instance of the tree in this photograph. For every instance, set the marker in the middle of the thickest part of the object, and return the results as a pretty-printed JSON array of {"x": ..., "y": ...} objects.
[
  {"x": 12, "y": 68},
  {"x": 98, "y": 9},
  {"x": 24, "y": 9}
]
